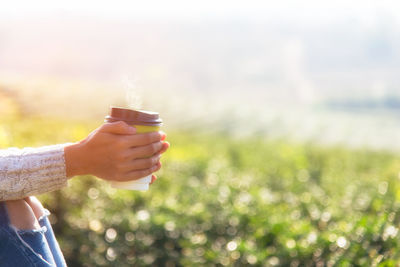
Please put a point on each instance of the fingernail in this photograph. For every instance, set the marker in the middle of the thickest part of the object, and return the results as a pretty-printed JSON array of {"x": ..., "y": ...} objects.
[
  {"x": 132, "y": 129},
  {"x": 163, "y": 135}
]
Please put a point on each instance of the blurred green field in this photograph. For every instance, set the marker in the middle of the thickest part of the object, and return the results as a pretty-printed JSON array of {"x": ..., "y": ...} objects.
[{"x": 226, "y": 201}]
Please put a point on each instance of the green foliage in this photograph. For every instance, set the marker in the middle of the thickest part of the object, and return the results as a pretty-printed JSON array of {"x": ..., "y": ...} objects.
[{"x": 220, "y": 200}]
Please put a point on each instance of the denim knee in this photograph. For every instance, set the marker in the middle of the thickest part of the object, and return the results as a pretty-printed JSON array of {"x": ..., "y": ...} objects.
[{"x": 22, "y": 247}]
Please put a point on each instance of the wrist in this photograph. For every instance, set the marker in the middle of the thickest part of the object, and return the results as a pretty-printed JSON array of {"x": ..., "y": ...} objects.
[{"x": 74, "y": 160}]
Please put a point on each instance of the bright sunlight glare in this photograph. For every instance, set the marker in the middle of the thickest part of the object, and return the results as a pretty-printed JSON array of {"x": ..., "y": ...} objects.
[{"x": 305, "y": 11}]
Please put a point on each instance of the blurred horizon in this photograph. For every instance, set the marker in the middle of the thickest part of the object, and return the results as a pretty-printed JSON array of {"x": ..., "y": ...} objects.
[
  {"x": 314, "y": 70},
  {"x": 283, "y": 119}
]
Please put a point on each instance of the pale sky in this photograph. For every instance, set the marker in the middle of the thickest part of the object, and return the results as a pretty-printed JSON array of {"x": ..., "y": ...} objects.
[{"x": 304, "y": 10}]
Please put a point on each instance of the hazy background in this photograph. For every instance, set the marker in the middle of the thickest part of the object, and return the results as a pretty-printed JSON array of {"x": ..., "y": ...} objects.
[
  {"x": 248, "y": 91},
  {"x": 324, "y": 71}
]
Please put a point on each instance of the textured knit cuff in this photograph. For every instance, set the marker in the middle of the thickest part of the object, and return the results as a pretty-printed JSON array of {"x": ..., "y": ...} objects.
[{"x": 31, "y": 171}]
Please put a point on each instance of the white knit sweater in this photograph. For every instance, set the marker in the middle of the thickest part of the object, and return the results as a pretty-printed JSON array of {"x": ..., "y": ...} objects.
[{"x": 31, "y": 171}]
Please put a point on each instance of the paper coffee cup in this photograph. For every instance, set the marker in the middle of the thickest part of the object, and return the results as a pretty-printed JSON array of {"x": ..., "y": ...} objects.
[{"x": 144, "y": 122}]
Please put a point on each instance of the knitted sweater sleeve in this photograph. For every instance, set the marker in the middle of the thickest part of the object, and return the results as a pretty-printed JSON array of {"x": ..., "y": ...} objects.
[{"x": 31, "y": 171}]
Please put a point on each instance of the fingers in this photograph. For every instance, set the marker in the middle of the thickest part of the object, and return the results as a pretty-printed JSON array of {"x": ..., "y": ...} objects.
[
  {"x": 146, "y": 144},
  {"x": 143, "y": 139},
  {"x": 134, "y": 175},
  {"x": 146, "y": 151},
  {"x": 163, "y": 135},
  {"x": 153, "y": 179},
  {"x": 143, "y": 157},
  {"x": 118, "y": 127},
  {"x": 141, "y": 163},
  {"x": 164, "y": 147}
]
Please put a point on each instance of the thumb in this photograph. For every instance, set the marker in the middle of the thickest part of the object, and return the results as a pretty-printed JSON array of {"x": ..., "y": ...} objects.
[{"x": 118, "y": 127}]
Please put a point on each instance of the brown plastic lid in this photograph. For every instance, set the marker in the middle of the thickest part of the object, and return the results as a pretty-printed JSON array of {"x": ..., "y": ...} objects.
[{"x": 131, "y": 116}]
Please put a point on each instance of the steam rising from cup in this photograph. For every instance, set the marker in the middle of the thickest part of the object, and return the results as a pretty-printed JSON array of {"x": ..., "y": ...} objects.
[{"x": 132, "y": 96}]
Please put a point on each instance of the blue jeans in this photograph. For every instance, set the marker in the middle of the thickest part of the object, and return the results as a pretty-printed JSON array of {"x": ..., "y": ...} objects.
[{"x": 27, "y": 248}]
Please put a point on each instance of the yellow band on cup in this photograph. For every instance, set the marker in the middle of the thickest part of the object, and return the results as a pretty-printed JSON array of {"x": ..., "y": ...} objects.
[{"x": 146, "y": 129}]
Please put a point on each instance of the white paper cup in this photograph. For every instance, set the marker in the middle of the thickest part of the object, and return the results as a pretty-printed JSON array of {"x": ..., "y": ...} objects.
[
  {"x": 144, "y": 122},
  {"x": 132, "y": 185}
]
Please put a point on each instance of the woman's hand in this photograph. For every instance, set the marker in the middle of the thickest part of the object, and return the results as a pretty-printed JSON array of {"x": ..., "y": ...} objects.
[{"x": 115, "y": 152}]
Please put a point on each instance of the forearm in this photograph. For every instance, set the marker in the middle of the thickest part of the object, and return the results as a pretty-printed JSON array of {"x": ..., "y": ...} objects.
[
  {"x": 31, "y": 171},
  {"x": 75, "y": 160}
]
